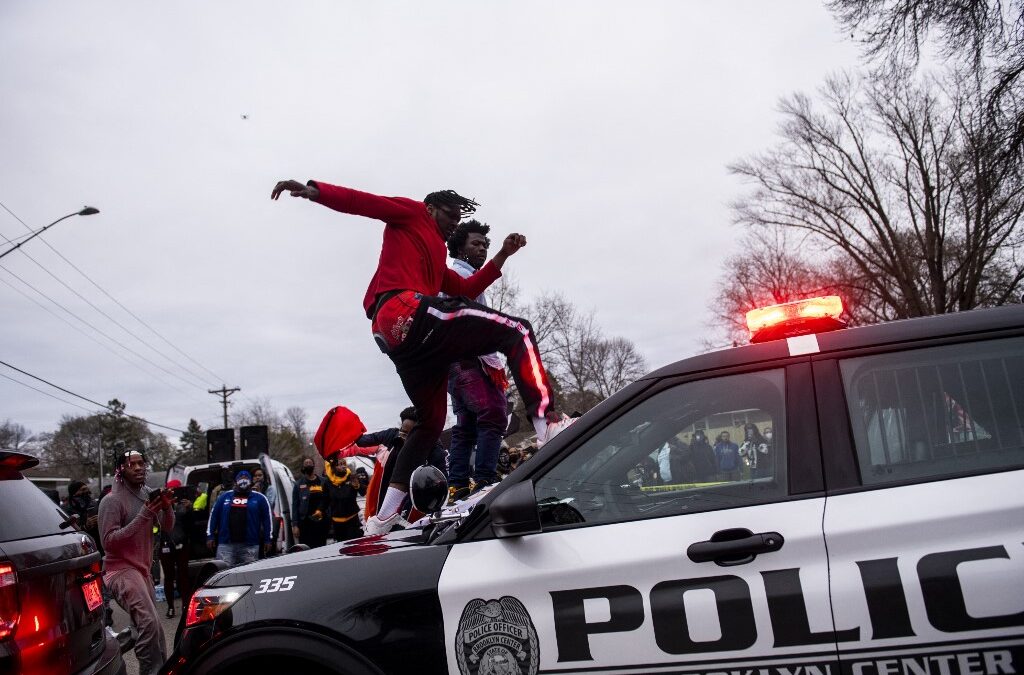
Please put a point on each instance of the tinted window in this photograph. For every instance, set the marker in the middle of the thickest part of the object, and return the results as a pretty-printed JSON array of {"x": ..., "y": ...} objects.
[
  {"x": 27, "y": 512},
  {"x": 937, "y": 412},
  {"x": 699, "y": 446}
]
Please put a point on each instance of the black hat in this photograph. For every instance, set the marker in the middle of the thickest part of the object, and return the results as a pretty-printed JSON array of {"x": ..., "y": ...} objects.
[{"x": 74, "y": 486}]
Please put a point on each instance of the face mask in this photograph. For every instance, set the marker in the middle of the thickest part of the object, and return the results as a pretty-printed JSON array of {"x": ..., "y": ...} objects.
[
  {"x": 768, "y": 435},
  {"x": 307, "y": 470},
  {"x": 243, "y": 484}
]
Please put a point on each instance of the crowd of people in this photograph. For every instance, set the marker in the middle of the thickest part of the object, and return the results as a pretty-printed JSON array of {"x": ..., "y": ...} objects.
[
  {"x": 434, "y": 323},
  {"x": 698, "y": 461}
]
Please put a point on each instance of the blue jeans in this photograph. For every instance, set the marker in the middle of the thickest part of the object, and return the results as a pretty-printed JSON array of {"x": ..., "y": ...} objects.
[
  {"x": 479, "y": 408},
  {"x": 237, "y": 554}
]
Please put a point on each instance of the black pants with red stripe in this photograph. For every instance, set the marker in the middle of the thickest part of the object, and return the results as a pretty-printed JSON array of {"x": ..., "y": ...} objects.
[{"x": 445, "y": 330}]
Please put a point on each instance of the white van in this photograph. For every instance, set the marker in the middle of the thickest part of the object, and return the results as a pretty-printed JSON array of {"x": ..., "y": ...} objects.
[{"x": 204, "y": 478}]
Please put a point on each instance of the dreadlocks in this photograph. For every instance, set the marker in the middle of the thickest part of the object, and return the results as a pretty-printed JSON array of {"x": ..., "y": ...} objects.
[
  {"x": 449, "y": 198},
  {"x": 462, "y": 232}
]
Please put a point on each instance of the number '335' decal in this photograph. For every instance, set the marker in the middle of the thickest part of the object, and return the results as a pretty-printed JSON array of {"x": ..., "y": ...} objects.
[{"x": 275, "y": 584}]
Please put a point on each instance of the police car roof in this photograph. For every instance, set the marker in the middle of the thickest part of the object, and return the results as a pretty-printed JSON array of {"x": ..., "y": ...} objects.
[{"x": 891, "y": 332}]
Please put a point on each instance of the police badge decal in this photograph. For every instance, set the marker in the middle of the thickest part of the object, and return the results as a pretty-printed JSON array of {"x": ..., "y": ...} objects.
[{"x": 496, "y": 637}]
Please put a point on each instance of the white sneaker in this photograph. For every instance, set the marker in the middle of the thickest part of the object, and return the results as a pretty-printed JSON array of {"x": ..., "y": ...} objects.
[
  {"x": 378, "y": 525},
  {"x": 554, "y": 428}
]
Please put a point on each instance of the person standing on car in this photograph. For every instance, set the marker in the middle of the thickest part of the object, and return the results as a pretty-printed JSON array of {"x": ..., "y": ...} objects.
[
  {"x": 309, "y": 504},
  {"x": 239, "y": 523},
  {"x": 422, "y": 333},
  {"x": 174, "y": 547},
  {"x": 476, "y": 385},
  {"x": 126, "y": 518}
]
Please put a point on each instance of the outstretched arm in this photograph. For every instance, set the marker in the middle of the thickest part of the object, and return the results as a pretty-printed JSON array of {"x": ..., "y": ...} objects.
[
  {"x": 474, "y": 285},
  {"x": 392, "y": 210}
]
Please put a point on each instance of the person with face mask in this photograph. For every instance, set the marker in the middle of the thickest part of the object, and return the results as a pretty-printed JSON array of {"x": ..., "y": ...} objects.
[
  {"x": 174, "y": 547},
  {"x": 309, "y": 505},
  {"x": 239, "y": 523},
  {"x": 343, "y": 486}
]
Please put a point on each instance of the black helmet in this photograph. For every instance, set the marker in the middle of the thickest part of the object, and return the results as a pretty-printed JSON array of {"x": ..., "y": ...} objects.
[{"x": 428, "y": 489}]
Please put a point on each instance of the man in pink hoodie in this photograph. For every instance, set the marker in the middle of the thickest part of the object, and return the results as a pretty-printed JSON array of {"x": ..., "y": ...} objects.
[{"x": 127, "y": 516}]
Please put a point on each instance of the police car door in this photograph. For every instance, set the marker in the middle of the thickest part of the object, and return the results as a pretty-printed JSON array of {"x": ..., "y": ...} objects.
[
  {"x": 924, "y": 528},
  {"x": 666, "y": 546}
]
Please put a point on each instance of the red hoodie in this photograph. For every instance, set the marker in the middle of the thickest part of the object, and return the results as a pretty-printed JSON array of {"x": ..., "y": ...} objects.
[{"x": 413, "y": 254}]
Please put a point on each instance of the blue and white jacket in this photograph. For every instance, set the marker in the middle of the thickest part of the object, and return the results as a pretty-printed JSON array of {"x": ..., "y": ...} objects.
[{"x": 250, "y": 513}]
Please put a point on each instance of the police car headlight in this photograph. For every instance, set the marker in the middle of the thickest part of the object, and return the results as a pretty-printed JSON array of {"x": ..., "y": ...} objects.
[{"x": 209, "y": 603}]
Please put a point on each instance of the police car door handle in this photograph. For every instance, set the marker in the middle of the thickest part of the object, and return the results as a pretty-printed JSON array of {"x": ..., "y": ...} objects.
[{"x": 734, "y": 547}]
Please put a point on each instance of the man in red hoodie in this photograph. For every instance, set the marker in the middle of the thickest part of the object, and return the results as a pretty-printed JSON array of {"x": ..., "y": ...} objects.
[{"x": 423, "y": 333}]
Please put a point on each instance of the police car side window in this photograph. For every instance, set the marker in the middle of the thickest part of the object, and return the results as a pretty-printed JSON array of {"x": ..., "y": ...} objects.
[
  {"x": 706, "y": 445},
  {"x": 937, "y": 412}
]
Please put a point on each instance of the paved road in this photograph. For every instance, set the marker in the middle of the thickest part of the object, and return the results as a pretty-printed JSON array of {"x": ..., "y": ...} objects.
[{"x": 170, "y": 625}]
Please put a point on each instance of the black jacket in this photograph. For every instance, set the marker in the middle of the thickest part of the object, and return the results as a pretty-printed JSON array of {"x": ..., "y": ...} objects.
[{"x": 308, "y": 496}]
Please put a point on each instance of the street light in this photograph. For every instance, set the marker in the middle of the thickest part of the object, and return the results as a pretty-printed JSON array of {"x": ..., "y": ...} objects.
[{"x": 87, "y": 211}]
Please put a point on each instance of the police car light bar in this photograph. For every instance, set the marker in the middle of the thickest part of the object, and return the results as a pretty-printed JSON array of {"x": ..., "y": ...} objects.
[{"x": 795, "y": 318}]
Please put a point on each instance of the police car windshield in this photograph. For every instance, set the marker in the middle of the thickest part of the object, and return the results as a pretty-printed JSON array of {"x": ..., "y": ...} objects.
[{"x": 692, "y": 447}]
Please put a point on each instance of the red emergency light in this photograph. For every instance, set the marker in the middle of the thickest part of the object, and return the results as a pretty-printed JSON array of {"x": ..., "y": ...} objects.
[{"x": 813, "y": 315}]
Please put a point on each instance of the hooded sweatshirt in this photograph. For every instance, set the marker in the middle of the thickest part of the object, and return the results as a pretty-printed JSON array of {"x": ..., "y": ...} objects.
[{"x": 126, "y": 528}]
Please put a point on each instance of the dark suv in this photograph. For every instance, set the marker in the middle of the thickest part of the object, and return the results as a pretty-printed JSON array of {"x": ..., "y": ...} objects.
[{"x": 51, "y": 605}]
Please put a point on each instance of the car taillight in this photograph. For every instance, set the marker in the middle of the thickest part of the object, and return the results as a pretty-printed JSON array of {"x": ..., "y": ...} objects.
[
  {"x": 795, "y": 318},
  {"x": 209, "y": 603},
  {"x": 10, "y": 611}
]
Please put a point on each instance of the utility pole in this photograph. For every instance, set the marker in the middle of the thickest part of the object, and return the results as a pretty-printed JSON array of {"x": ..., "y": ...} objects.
[{"x": 224, "y": 392}]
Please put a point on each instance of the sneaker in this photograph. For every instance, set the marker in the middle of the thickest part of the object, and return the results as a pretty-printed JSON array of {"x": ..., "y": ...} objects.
[
  {"x": 556, "y": 423},
  {"x": 377, "y": 525},
  {"x": 457, "y": 494}
]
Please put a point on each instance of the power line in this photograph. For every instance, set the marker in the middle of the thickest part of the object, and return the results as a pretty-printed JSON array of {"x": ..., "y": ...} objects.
[
  {"x": 88, "y": 335},
  {"x": 116, "y": 301},
  {"x": 116, "y": 323},
  {"x": 88, "y": 400},
  {"x": 45, "y": 393},
  {"x": 104, "y": 334}
]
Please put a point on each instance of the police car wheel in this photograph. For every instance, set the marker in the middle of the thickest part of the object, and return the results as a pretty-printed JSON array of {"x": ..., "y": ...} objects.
[{"x": 253, "y": 651}]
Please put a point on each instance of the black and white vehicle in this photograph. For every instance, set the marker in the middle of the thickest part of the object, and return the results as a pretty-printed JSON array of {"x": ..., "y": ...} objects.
[
  {"x": 866, "y": 517},
  {"x": 51, "y": 602}
]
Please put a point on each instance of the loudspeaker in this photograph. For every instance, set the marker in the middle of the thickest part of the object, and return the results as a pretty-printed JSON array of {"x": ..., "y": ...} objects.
[
  {"x": 254, "y": 442},
  {"x": 220, "y": 445}
]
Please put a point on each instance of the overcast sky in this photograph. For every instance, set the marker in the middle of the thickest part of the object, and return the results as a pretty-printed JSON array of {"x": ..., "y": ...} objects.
[{"x": 600, "y": 130}]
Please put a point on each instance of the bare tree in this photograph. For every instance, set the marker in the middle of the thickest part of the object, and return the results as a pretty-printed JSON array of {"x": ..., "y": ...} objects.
[
  {"x": 902, "y": 191},
  {"x": 616, "y": 363},
  {"x": 13, "y": 436},
  {"x": 503, "y": 294},
  {"x": 771, "y": 267},
  {"x": 295, "y": 419},
  {"x": 985, "y": 35},
  {"x": 287, "y": 436}
]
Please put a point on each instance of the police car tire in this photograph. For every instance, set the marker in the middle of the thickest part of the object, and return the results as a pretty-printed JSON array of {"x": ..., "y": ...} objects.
[{"x": 298, "y": 644}]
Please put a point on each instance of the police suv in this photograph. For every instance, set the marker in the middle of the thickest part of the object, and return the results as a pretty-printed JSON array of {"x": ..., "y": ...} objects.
[{"x": 825, "y": 500}]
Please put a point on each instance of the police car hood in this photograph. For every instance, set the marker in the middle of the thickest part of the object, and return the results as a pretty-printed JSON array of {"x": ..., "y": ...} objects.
[{"x": 364, "y": 546}]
